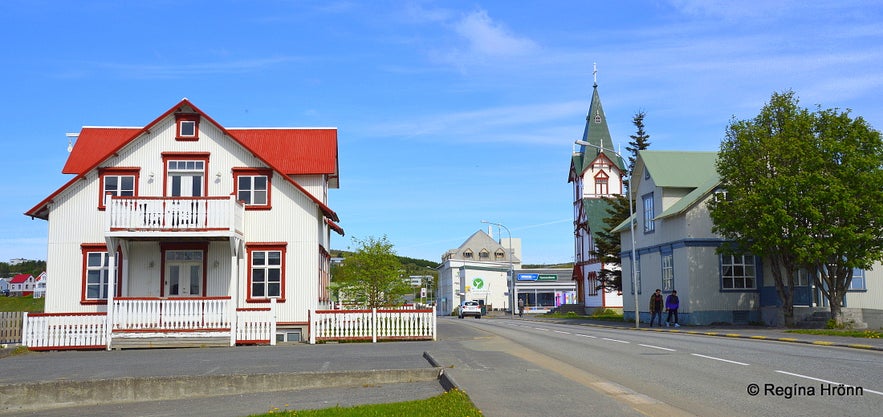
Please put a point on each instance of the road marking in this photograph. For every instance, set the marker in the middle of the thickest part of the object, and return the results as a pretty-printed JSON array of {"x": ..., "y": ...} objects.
[
  {"x": 614, "y": 340},
  {"x": 559, "y": 331},
  {"x": 540, "y": 328},
  {"x": 586, "y": 335},
  {"x": 657, "y": 347},
  {"x": 719, "y": 359},
  {"x": 827, "y": 382}
]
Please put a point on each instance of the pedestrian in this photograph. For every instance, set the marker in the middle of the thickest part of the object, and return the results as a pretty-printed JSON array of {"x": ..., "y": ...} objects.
[
  {"x": 520, "y": 307},
  {"x": 671, "y": 305},
  {"x": 656, "y": 306}
]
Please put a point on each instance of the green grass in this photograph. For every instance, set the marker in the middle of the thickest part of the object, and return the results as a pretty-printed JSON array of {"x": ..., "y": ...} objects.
[
  {"x": 29, "y": 304},
  {"x": 606, "y": 315},
  {"x": 866, "y": 334},
  {"x": 454, "y": 403}
]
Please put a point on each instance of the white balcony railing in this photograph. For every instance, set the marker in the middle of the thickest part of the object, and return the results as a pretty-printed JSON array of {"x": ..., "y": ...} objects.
[{"x": 174, "y": 214}]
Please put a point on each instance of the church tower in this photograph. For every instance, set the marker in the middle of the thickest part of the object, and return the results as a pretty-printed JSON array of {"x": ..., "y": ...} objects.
[{"x": 596, "y": 171}]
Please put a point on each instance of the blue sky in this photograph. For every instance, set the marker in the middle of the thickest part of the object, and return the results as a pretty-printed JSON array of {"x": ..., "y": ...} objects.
[{"x": 449, "y": 112}]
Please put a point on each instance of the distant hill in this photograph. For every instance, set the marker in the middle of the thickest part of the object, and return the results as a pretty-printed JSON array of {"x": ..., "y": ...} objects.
[{"x": 434, "y": 264}]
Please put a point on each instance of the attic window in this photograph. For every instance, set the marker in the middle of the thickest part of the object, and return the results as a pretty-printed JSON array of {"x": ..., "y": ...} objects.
[
  {"x": 484, "y": 254},
  {"x": 187, "y": 126},
  {"x": 597, "y": 116},
  {"x": 467, "y": 254}
]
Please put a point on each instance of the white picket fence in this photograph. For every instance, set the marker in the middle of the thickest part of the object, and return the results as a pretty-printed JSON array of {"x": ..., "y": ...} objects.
[
  {"x": 43, "y": 331},
  {"x": 373, "y": 325},
  {"x": 185, "y": 317}
]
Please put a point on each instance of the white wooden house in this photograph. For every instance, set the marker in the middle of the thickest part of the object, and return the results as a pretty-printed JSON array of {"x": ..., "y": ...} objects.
[
  {"x": 21, "y": 284},
  {"x": 677, "y": 250},
  {"x": 186, "y": 232},
  {"x": 40, "y": 285}
]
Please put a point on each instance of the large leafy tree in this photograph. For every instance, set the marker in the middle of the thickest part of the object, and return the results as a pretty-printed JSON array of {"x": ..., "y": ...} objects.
[
  {"x": 803, "y": 190},
  {"x": 371, "y": 275},
  {"x": 608, "y": 246}
]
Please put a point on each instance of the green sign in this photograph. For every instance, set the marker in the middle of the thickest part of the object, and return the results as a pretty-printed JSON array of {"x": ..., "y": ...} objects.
[
  {"x": 548, "y": 277},
  {"x": 478, "y": 283}
]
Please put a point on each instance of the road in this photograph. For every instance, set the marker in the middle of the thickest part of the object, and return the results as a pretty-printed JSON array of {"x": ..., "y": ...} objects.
[{"x": 654, "y": 373}]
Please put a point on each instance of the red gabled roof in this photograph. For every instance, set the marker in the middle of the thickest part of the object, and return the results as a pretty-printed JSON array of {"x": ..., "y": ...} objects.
[
  {"x": 20, "y": 278},
  {"x": 93, "y": 144},
  {"x": 287, "y": 151},
  {"x": 294, "y": 151}
]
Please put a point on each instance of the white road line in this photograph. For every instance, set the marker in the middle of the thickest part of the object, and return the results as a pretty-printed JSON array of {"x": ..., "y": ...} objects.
[
  {"x": 559, "y": 331},
  {"x": 719, "y": 359},
  {"x": 614, "y": 340},
  {"x": 657, "y": 347},
  {"x": 586, "y": 335},
  {"x": 540, "y": 328},
  {"x": 827, "y": 382}
]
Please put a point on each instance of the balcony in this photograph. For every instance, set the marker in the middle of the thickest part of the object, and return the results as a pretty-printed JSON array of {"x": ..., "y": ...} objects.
[{"x": 158, "y": 216}]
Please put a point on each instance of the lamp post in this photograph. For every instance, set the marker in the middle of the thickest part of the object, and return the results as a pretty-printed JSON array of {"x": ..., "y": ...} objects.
[
  {"x": 512, "y": 299},
  {"x": 631, "y": 228}
]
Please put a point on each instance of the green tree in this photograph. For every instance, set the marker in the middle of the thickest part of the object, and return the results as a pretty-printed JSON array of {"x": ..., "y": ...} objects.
[
  {"x": 802, "y": 190},
  {"x": 371, "y": 275}
]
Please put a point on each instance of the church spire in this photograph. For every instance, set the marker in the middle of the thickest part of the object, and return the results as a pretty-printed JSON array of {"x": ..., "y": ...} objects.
[{"x": 596, "y": 131}]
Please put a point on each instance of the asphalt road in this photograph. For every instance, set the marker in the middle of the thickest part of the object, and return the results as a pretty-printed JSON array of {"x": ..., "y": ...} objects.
[{"x": 509, "y": 367}]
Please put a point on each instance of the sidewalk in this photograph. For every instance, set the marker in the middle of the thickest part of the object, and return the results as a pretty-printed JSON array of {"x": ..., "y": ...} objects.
[{"x": 734, "y": 331}]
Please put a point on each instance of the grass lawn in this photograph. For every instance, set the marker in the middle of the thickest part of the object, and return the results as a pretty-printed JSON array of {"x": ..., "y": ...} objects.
[
  {"x": 867, "y": 334},
  {"x": 454, "y": 403},
  {"x": 29, "y": 304}
]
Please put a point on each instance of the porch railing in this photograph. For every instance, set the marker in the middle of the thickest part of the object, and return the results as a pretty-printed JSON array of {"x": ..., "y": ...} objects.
[
  {"x": 161, "y": 314},
  {"x": 373, "y": 325},
  {"x": 174, "y": 213}
]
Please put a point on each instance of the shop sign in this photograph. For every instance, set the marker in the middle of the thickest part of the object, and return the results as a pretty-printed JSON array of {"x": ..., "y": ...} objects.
[
  {"x": 548, "y": 277},
  {"x": 528, "y": 277}
]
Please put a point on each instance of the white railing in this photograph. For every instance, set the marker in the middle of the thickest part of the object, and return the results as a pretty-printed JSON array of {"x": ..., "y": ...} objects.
[
  {"x": 71, "y": 331},
  {"x": 374, "y": 324},
  {"x": 174, "y": 213},
  {"x": 162, "y": 314},
  {"x": 256, "y": 325}
]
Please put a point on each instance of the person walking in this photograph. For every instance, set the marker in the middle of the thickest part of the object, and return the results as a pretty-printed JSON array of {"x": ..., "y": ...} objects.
[
  {"x": 656, "y": 306},
  {"x": 520, "y": 307},
  {"x": 671, "y": 305}
]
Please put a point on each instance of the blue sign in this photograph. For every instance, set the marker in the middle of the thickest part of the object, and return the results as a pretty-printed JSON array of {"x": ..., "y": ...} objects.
[{"x": 528, "y": 277}]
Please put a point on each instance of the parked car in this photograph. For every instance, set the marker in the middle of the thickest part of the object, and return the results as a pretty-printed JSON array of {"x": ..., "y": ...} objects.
[{"x": 470, "y": 308}]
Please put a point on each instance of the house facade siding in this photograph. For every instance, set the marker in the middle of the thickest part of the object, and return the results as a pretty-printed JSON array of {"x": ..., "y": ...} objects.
[{"x": 295, "y": 221}]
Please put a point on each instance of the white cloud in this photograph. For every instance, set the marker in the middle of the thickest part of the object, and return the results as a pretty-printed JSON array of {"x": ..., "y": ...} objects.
[{"x": 485, "y": 37}]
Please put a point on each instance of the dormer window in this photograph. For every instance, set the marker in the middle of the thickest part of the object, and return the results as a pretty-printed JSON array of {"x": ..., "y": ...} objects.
[
  {"x": 484, "y": 254},
  {"x": 468, "y": 254},
  {"x": 499, "y": 254},
  {"x": 188, "y": 126}
]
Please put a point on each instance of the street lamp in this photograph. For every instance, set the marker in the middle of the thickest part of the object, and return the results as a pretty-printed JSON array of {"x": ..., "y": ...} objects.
[
  {"x": 512, "y": 299},
  {"x": 632, "y": 231}
]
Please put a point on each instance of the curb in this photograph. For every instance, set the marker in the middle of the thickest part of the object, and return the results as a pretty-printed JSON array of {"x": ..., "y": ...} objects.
[{"x": 68, "y": 393}]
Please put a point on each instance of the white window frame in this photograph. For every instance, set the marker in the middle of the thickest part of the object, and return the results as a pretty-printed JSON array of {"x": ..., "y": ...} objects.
[{"x": 738, "y": 269}]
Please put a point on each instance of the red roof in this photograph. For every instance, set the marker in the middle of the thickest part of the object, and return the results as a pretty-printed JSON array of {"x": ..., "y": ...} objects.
[
  {"x": 289, "y": 151},
  {"x": 20, "y": 278}
]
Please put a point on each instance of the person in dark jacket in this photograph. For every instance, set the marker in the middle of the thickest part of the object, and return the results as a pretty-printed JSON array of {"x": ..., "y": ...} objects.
[
  {"x": 671, "y": 305},
  {"x": 656, "y": 306}
]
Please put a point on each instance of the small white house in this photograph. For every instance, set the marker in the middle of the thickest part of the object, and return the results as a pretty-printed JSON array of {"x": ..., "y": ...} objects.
[{"x": 181, "y": 230}]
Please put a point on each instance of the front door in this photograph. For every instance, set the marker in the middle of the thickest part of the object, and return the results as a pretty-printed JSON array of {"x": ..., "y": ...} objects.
[{"x": 183, "y": 273}]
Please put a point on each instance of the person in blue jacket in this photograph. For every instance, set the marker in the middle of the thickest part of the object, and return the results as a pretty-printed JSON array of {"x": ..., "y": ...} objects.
[{"x": 671, "y": 305}]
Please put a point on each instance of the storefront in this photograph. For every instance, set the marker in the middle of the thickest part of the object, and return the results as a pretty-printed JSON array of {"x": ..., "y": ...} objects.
[{"x": 543, "y": 290}]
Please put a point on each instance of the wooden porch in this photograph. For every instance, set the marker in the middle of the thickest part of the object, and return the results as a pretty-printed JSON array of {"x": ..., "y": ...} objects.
[
  {"x": 126, "y": 215},
  {"x": 153, "y": 323}
]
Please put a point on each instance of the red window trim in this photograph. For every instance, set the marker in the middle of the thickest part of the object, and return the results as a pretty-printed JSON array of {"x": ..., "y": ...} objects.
[
  {"x": 163, "y": 247},
  {"x": 187, "y": 117},
  {"x": 115, "y": 171},
  {"x": 85, "y": 249},
  {"x": 184, "y": 156},
  {"x": 237, "y": 172},
  {"x": 266, "y": 246}
]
